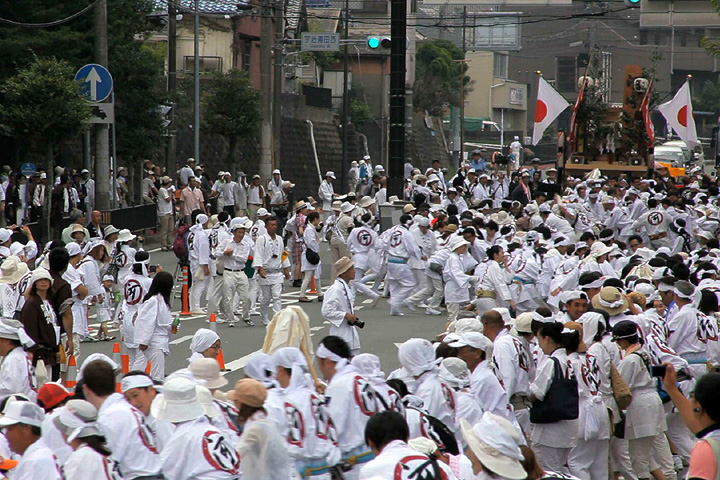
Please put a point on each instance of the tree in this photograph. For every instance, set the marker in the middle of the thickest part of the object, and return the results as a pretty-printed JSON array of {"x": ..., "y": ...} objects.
[
  {"x": 43, "y": 102},
  {"x": 230, "y": 107},
  {"x": 440, "y": 77},
  {"x": 360, "y": 112}
]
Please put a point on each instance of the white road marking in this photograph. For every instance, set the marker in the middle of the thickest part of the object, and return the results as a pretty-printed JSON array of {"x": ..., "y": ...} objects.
[
  {"x": 154, "y": 250},
  {"x": 398, "y": 345},
  {"x": 181, "y": 340},
  {"x": 315, "y": 329},
  {"x": 359, "y": 307},
  {"x": 369, "y": 300},
  {"x": 239, "y": 363}
]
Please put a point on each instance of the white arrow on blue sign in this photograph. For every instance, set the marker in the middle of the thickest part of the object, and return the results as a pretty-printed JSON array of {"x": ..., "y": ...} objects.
[{"x": 97, "y": 83}]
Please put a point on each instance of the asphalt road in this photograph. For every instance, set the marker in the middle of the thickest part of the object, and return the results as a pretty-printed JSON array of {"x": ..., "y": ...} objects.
[{"x": 380, "y": 336}]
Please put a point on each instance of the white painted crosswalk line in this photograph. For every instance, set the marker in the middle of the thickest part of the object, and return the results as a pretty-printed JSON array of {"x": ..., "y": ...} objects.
[
  {"x": 181, "y": 340},
  {"x": 369, "y": 300},
  {"x": 315, "y": 329}
]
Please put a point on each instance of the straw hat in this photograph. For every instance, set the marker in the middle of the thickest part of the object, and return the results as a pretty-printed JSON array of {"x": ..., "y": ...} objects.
[
  {"x": 611, "y": 300},
  {"x": 12, "y": 270},
  {"x": 343, "y": 265},
  {"x": 208, "y": 370},
  {"x": 365, "y": 202}
]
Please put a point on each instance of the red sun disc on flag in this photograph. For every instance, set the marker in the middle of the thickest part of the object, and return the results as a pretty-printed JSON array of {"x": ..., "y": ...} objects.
[
  {"x": 682, "y": 116},
  {"x": 540, "y": 111}
]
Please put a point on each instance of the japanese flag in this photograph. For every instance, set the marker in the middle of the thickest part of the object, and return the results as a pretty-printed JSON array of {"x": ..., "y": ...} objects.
[
  {"x": 548, "y": 106},
  {"x": 678, "y": 114}
]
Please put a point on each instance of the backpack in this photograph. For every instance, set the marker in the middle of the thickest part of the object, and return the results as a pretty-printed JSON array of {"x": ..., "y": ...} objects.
[{"x": 180, "y": 244}]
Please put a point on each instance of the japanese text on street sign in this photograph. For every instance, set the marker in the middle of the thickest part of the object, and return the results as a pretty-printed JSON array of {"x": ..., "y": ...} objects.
[{"x": 320, "y": 42}]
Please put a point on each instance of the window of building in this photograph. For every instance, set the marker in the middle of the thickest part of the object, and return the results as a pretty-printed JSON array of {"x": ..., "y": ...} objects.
[
  {"x": 502, "y": 33},
  {"x": 500, "y": 65},
  {"x": 246, "y": 57},
  {"x": 565, "y": 74},
  {"x": 207, "y": 64}
]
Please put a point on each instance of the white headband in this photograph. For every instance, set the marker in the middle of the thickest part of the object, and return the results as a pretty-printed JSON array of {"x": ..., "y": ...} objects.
[
  {"x": 135, "y": 381},
  {"x": 683, "y": 295},
  {"x": 664, "y": 287},
  {"x": 323, "y": 352},
  {"x": 75, "y": 424},
  {"x": 617, "y": 303},
  {"x": 596, "y": 284}
]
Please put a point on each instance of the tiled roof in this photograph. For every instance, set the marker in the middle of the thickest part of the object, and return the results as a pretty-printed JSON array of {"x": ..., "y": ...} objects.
[{"x": 207, "y": 7}]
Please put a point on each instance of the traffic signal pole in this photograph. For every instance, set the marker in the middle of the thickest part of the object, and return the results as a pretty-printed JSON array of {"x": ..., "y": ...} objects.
[
  {"x": 103, "y": 182},
  {"x": 346, "y": 96},
  {"x": 398, "y": 26}
]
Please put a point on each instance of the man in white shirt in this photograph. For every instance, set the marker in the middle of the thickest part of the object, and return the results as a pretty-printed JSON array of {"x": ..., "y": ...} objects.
[
  {"x": 327, "y": 194},
  {"x": 486, "y": 388},
  {"x": 126, "y": 430},
  {"x": 338, "y": 305},
  {"x": 240, "y": 194},
  {"x": 351, "y": 400},
  {"x": 187, "y": 171},
  {"x": 387, "y": 434},
  {"x": 199, "y": 250},
  {"x": 235, "y": 252},
  {"x": 275, "y": 185},
  {"x": 227, "y": 192},
  {"x": 79, "y": 291},
  {"x": 165, "y": 213},
  {"x": 21, "y": 424},
  {"x": 272, "y": 265},
  {"x": 256, "y": 197}
]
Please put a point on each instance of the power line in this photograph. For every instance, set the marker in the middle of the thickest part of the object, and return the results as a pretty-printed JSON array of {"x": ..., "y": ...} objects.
[{"x": 48, "y": 24}]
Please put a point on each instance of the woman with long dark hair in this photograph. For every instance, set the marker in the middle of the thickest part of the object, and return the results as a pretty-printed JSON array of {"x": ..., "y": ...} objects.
[
  {"x": 41, "y": 325},
  {"x": 153, "y": 324},
  {"x": 90, "y": 457},
  {"x": 554, "y": 439}
]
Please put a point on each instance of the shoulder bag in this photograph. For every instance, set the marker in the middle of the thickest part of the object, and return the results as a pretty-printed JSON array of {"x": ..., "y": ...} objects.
[
  {"x": 561, "y": 401},
  {"x": 312, "y": 257}
]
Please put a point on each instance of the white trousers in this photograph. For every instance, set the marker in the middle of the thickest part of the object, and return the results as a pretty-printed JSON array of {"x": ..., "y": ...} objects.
[
  {"x": 620, "y": 457},
  {"x": 641, "y": 450},
  {"x": 431, "y": 293},
  {"x": 235, "y": 283},
  {"x": 679, "y": 434},
  {"x": 270, "y": 294},
  {"x": 157, "y": 359},
  {"x": 215, "y": 294},
  {"x": 254, "y": 292},
  {"x": 662, "y": 457},
  {"x": 197, "y": 291},
  {"x": 554, "y": 459},
  {"x": 401, "y": 284},
  {"x": 358, "y": 284},
  {"x": 589, "y": 459},
  {"x": 484, "y": 304}
]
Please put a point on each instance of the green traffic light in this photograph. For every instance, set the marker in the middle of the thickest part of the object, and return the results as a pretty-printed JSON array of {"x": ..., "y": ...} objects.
[{"x": 373, "y": 42}]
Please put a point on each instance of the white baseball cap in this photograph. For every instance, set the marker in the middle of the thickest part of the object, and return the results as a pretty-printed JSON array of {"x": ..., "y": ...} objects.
[
  {"x": 330, "y": 174},
  {"x": 26, "y": 413},
  {"x": 473, "y": 339}
]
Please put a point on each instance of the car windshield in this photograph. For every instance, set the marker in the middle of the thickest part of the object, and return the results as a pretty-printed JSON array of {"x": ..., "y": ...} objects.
[{"x": 674, "y": 156}]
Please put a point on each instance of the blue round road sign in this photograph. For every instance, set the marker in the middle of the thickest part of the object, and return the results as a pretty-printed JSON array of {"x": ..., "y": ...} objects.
[
  {"x": 28, "y": 169},
  {"x": 96, "y": 82}
]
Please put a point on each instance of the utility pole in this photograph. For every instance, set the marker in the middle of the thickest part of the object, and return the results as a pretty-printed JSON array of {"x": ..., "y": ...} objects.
[
  {"x": 170, "y": 159},
  {"x": 398, "y": 24},
  {"x": 266, "y": 40},
  {"x": 462, "y": 87},
  {"x": 346, "y": 95},
  {"x": 102, "y": 139},
  {"x": 279, "y": 69},
  {"x": 196, "y": 102}
]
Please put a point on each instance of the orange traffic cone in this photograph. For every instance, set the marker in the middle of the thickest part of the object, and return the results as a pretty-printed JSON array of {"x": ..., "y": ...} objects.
[
  {"x": 148, "y": 367},
  {"x": 71, "y": 374},
  {"x": 116, "y": 357},
  {"x": 312, "y": 284},
  {"x": 221, "y": 361},
  {"x": 185, "y": 294},
  {"x": 213, "y": 322}
]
